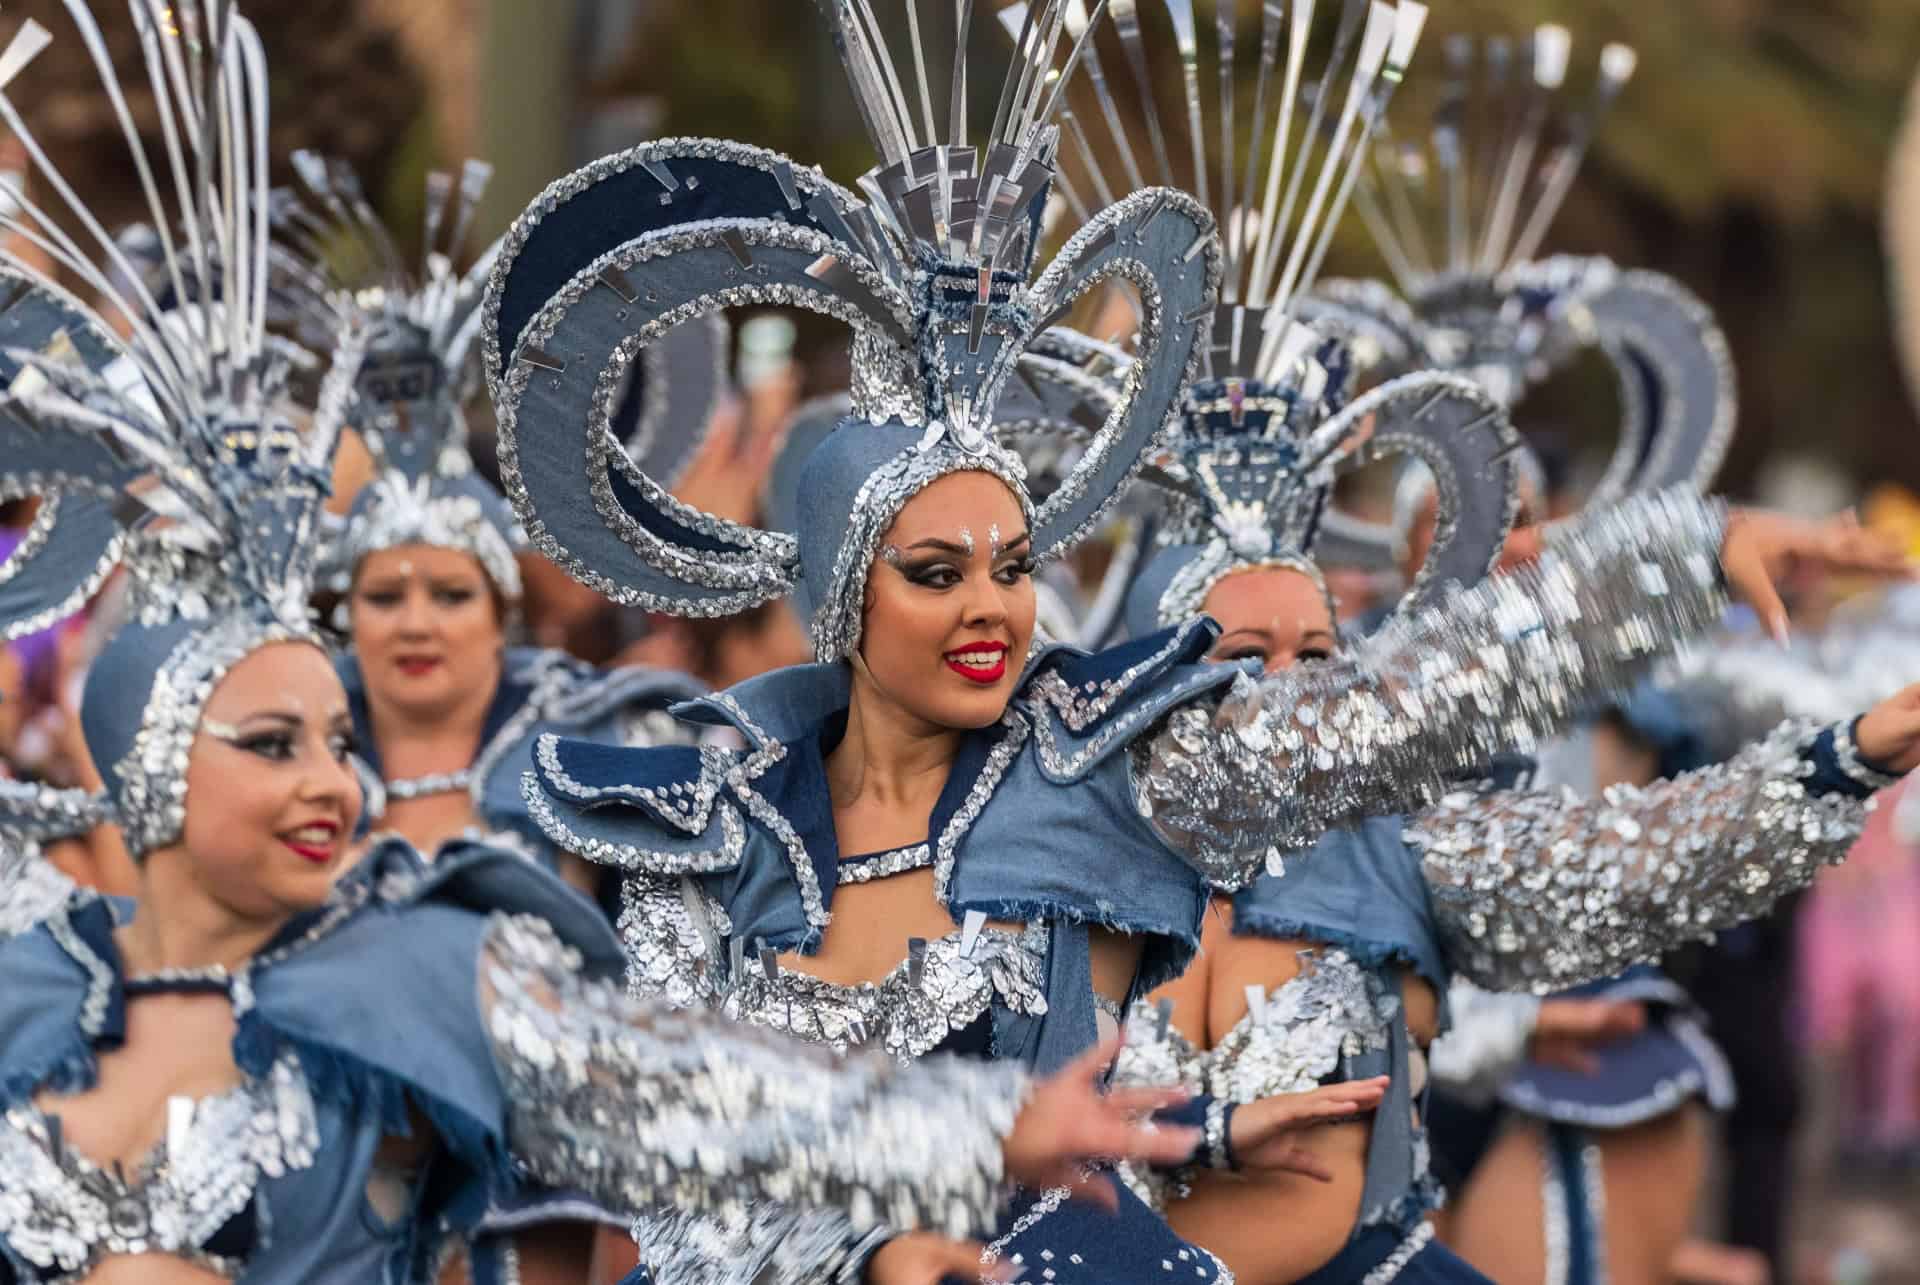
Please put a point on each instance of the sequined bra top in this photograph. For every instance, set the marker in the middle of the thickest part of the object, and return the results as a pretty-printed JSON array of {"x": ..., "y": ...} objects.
[
  {"x": 193, "y": 1197},
  {"x": 935, "y": 999}
]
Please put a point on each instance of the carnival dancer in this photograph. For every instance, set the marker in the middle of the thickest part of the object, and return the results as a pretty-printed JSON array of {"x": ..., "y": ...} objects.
[
  {"x": 934, "y": 838},
  {"x": 263, "y": 1069}
]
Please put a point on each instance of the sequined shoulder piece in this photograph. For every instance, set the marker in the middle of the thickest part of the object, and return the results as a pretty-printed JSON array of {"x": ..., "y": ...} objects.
[
  {"x": 663, "y": 809},
  {"x": 1086, "y": 706},
  {"x": 56, "y": 997}
]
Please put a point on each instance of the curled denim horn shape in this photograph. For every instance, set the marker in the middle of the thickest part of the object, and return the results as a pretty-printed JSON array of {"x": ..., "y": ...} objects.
[
  {"x": 77, "y": 470},
  {"x": 609, "y": 260}
]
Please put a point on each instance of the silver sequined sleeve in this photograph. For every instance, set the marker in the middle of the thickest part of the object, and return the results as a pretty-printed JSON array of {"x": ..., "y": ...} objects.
[
  {"x": 1536, "y": 890},
  {"x": 1434, "y": 696},
  {"x": 672, "y": 932},
  {"x": 1486, "y": 1043},
  {"x": 640, "y": 1106}
]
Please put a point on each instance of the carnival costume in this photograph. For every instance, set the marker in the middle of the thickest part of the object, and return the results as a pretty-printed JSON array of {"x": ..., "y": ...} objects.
[
  {"x": 1483, "y": 304},
  {"x": 336, "y": 270},
  {"x": 1194, "y": 776},
  {"x": 475, "y": 993},
  {"x": 1513, "y": 889},
  {"x": 1250, "y": 479}
]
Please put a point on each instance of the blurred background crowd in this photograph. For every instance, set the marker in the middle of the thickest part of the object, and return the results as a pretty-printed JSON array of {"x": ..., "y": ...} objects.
[{"x": 1763, "y": 156}]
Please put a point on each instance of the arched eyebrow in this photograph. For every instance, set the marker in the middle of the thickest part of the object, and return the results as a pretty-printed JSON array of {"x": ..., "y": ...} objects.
[{"x": 1262, "y": 636}]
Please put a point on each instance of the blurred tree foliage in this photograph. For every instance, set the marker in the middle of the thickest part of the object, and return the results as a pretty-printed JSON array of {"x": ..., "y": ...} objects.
[
  {"x": 341, "y": 83},
  {"x": 1747, "y": 158}
]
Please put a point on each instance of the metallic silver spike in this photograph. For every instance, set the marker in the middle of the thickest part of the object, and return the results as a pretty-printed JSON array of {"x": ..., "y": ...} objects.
[
  {"x": 1187, "y": 40},
  {"x": 1408, "y": 22},
  {"x": 1022, "y": 45},
  {"x": 1375, "y": 42},
  {"x": 1617, "y": 63},
  {"x": 1126, "y": 21},
  {"x": 957, "y": 100},
  {"x": 1351, "y": 12},
  {"x": 1551, "y": 45},
  {"x": 1267, "y": 244},
  {"x": 920, "y": 69},
  {"x": 1223, "y": 35},
  {"x": 1082, "y": 25},
  {"x": 1088, "y": 160},
  {"x": 475, "y": 176},
  {"x": 439, "y": 194}
]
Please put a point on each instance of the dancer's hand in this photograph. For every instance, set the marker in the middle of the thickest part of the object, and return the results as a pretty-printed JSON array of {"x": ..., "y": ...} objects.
[
  {"x": 1267, "y": 1134},
  {"x": 1763, "y": 548},
  {"x": 1070, "y": 1122},
  {"x": 1889, "y": 734},
  {"x": 1568, "y": 1030}
]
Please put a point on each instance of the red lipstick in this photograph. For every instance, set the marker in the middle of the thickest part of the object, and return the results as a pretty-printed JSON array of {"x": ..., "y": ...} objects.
[
  {"x": 319, "y": 854},
  {"x": 971, "y": 668}
]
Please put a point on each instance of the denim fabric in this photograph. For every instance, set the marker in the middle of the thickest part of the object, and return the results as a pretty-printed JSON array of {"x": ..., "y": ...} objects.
[
  {"x": 382, "y": 1010},
  {"x": 1057, "y": 840}
]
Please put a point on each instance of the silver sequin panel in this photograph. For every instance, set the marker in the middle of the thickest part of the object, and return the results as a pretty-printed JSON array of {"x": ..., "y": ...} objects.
[
  {"x": 1486, "y": 1042},
  {"x": 1539, "y": 890},
  {"x": 31, "y": 888},
  {"x": 895, "y": 1015},
  {"x": 1296, "y": 1039},
  {"x": 639, "y": 1106},
  {"x": 1426, "y": 699},
  {"x": 62, "y": 1213}
]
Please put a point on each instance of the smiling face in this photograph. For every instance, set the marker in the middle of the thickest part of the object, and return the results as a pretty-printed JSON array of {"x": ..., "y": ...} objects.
[
  {"x": 949, "y": 605},
  {"x": 426, "y": 626},
  {"x": 1273, "y": 615},
  {"x": 272, "y": 801}
]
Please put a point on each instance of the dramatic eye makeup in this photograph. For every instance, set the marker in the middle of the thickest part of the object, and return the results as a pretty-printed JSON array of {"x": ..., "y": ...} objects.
[
  {"x": 275, "y": 735},
  {"x": 941, "y": 564}
]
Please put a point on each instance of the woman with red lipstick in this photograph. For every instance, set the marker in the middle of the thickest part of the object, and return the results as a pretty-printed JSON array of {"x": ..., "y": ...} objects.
[
  {"x": 426, "y": 558},
  {"x": 266, "y": 1066},
  {"x": 942, "y": 836}
]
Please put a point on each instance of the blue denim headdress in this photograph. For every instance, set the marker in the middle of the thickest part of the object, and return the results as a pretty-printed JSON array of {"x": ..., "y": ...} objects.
[
  {"x": 1470, "y": 293},
  {"x": 169, "y": 451},
  {"x": 340, "y": 267},
  {"x": 932, "y": 267},
  {"x": 1271, "y": 421},
  {"x": 337, "y": 268}
]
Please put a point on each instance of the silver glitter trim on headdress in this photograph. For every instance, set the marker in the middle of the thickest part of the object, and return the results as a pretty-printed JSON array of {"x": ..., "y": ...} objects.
[
  {"x": 1186, "y": 596},
  {"x": 1474, "y": 296},
  {"x": 394, "y": 511},
  {"x": 337, "y": 269},
  {"x": 932, "y": 271},
  {"x": 152, "y": 805},
  {"x": 220, "y": 496},
  {"x": 836, "y": 625}
]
